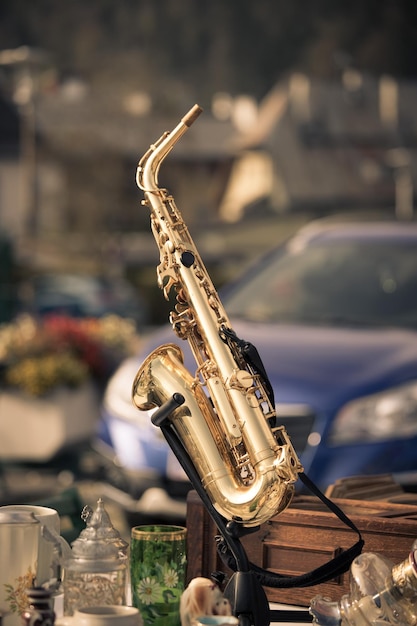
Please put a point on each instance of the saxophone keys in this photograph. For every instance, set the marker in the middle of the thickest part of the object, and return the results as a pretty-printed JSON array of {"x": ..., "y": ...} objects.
[{"x": 240, "y": 379}]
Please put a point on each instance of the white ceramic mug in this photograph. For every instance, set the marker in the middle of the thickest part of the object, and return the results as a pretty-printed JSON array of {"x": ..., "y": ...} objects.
[
  {"x": 112, "y": 615},
  {"x": 19, "y": 541},
  {"x": 52, "y": 547}
]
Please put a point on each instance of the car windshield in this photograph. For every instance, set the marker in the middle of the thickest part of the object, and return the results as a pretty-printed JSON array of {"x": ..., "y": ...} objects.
[{"x": 338, "y": 283}]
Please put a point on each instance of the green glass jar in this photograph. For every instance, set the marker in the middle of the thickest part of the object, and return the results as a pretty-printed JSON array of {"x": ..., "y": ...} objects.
[{"x": 158, "y": 565}]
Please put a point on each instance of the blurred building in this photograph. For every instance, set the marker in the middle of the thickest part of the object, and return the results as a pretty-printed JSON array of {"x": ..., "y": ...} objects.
[
  {"x": 310, "y": 146},
  {"x": 93, "y": 141},
  {"x": 330, "y": 146}
]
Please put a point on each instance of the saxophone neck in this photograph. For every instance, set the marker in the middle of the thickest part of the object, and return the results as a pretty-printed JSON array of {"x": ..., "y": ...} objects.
[{"x": 148, "y": 168}]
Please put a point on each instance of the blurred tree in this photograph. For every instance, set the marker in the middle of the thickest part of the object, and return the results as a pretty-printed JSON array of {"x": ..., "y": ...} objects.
[
  {"x": 379, "y": 36},
  {"x": 211, "y": 45},
  {"x": 7, "y": 277}
]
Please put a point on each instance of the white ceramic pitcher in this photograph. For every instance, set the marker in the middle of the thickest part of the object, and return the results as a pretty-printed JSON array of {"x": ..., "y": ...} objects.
[
  {"x": 52, "y": 547},
  {"x": 19, "y": 543}
]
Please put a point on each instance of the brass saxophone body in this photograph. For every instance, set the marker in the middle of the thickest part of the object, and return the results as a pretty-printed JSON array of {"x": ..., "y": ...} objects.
[{"x": 247, "y": 468}]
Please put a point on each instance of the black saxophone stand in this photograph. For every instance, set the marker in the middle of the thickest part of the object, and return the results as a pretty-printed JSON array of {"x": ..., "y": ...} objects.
[{"x": 244, "y": 590}]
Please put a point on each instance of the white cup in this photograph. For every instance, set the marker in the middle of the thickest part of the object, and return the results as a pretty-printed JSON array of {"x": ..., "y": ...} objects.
[
  {"x": 112, "y": 615},
  {"x": 216, "y": 620},
  {"x": 52, "y": 547}
]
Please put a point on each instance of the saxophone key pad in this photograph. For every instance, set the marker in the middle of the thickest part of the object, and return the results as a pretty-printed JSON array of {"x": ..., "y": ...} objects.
[{"x": 187, "y": 258}]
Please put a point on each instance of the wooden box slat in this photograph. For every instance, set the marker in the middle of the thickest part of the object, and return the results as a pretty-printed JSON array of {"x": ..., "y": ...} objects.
[{"x": 303, "y": 537}]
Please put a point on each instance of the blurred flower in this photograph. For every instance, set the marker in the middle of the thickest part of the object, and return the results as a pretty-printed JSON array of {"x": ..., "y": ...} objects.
[{"x": 39, "y": 355}]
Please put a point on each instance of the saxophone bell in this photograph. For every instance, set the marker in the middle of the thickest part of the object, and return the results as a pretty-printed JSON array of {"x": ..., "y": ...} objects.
[{"x": 236, "y": 488}]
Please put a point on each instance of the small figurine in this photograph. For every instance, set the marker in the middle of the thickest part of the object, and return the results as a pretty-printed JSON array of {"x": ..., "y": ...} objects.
[{"x": 202, "y": 597}]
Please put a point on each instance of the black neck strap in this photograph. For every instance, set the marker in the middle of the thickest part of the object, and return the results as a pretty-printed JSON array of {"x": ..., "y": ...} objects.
[{"x": 333, "y": 568}]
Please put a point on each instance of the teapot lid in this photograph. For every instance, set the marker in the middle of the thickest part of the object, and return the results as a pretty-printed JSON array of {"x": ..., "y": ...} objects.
[{"x": 99, "y": 540}]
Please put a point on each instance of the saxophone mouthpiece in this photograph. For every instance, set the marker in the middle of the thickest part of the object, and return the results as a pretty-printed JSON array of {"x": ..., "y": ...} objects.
[{"x": 190, "y": 117}]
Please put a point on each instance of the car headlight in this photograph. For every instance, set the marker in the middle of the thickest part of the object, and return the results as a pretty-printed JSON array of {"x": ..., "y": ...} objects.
[{"x": 382, "y": 416}]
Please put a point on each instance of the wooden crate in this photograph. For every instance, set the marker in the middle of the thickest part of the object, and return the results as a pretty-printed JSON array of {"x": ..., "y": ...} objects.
[{"x": 303, "y": 537}]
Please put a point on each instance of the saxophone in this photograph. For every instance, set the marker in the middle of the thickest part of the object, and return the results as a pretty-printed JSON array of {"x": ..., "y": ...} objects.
[{"x": 247, "y": 466}]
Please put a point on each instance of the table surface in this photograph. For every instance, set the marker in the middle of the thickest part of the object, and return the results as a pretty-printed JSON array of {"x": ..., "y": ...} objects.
[{"x": 286, "y": 607}]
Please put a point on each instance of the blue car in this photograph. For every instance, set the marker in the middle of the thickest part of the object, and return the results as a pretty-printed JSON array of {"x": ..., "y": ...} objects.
[{"x": 333, "y": 314}]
